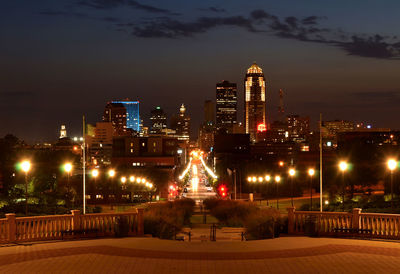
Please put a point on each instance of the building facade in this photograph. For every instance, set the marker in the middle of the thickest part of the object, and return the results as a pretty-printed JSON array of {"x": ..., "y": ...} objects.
[
  {"x": 99, "y": 140},
  {"x": 226, "y": 106},
  {"x": 158, "y": 121},
  {"x": 145, "y": 151},
  {"x": 298, "y": 128},
  {"x": 181, "y": 124},
  {"x": 255, "y": 87},
  {"x": 209, "y": 112},
  {"x": 132, "y": 114},
  {"x": 115, "y": 113}
]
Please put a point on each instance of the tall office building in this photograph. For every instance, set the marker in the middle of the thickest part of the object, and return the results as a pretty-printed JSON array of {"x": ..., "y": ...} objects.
[
  {"x": 206, "y": 131},
  {"x": 132, "y": 114},
  {"x": 254, "y": 86},
  {"x": 209, "y": 112},
  {"x": 226, "y": 105},
  {"x": 298, "y": 128},
  {"x": 158, "y": 120},
  {"x": 116, "y": 114},
  {"x": 99, "y": 140},
  {"x": 181, "y": 124}
]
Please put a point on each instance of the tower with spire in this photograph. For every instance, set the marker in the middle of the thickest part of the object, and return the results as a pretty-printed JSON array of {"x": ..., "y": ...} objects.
[{"x": 255, "y": 88}]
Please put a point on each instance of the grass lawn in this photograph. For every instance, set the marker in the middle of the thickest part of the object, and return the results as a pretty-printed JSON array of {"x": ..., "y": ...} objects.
[
  {"x": 283, "y": 204},
  {"x": 198, "y": 219}
]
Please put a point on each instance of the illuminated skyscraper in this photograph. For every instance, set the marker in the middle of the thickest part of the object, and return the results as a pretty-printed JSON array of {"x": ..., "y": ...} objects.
[
  {"x": 132, "y": 113},
  {"x": 63, "y": 131},
  {"x": 181, "y": 124},
  {"x": 158, "y": 121},
  {"x": 254, "y": 86},
  {"x": 226, "y": 105}
]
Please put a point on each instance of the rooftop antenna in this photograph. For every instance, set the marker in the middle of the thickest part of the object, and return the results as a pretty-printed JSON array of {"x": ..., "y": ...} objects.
[{"x": 281, "y": 109}]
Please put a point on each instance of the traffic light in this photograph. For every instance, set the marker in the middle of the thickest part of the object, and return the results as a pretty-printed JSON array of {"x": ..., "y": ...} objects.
[
  {"x": 222, "y": 191},
  {"x": 173, "y": 190}
]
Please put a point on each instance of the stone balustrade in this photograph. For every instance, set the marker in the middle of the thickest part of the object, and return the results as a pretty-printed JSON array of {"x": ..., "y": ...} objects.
[
  {"x": 382, "y": 225},
  {"x": 50, "y": 227}
]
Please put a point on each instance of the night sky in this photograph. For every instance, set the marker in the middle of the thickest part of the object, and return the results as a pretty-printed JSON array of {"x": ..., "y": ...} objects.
[{"x": 61, "y": 59}]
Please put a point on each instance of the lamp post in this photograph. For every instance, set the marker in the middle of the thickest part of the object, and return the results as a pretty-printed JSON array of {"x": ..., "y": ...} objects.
[
  {"x": 68, "y": 169},
  {"x": 26, "y": 166},
  {"x": 111, "y": 174},
  {"x": 95, "y": 174},
  {"x": 311, "y": 172},
  {"x": 292, "y": 172},
  {"x": 392, "y": 164},
  {"x": 277, "y": 180},
  {"x": 343, "y": 167},
  {"x": 267, "y": 179}
]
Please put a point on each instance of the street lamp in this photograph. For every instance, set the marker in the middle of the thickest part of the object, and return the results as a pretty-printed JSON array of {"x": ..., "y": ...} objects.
[
  {"x": 311, "y": 172},
  {"x": 26, "y": 166},
  {"x": 392, "y": 164},
  {"x": 267, "y": 179},
  {"x": 111, "y": 174},
  {"x": 68, "y": 169},
  {"x": 95, "y": 173},
  {"x": 292, "y": 172},
  {"x": 277, "y": 180},
  {"x": 343, "y": 166}
]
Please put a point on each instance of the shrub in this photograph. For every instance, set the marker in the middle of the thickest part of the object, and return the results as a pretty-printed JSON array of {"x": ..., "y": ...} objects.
[
  {"x": 164, "y": 220},
  {"x": 264, "y": 224},
  {"x": 230, "y": 213},
  {"x": 211, "y": 203}
]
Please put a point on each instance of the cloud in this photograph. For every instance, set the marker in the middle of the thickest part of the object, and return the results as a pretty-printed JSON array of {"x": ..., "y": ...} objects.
[
  {"x": 170, "y": 28},
  {"x": 63, "y": 13},
  {"x": 373, "y": 96},
  {"x": 307, "y": 29},
  {"x": 373, "y": 46},
  {"x": 112, "y": 4},
  {"x": 213, "y": 9}
]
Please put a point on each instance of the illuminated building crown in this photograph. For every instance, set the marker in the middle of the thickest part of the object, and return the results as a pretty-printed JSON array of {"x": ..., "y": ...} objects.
[{"x": 254, "y": 69}]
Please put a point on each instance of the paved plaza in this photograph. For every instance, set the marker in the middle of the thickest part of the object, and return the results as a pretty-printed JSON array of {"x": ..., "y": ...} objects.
[{"x": 147, "y": 255}]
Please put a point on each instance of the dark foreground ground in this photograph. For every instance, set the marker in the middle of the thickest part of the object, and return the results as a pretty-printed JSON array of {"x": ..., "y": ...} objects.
[{"x": 147, "y": 255}]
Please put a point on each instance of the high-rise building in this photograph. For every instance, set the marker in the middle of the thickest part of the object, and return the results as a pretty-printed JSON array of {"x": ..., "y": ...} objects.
[
  {"x": 99, "y": 140},
  {"x": 298, "y": 128},
  {"x": 181, "y": 124},
  {"x": 158, "y": 121},
  {"x": 209, "y": 112},
  {"x": 330, "y": 130},
  {"x": 226, "y": 105},
  {"x": 63, "y": 131},
  {"x": 254, "y": 86},
  {"x": 116, "y": 114},
  {"x": 132, "y": 114}
]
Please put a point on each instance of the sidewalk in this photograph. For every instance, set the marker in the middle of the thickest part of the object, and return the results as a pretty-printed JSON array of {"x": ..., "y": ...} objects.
[{"x": 147, "y": 255}]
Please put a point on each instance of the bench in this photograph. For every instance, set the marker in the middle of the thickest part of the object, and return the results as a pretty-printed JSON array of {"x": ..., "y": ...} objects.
[
  {"x": 79, "y": 232},
  {"x": 233, "y": 230}
]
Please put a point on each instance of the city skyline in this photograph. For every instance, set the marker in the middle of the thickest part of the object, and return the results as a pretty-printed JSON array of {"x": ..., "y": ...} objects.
[{"x": 62, "y": 60}]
